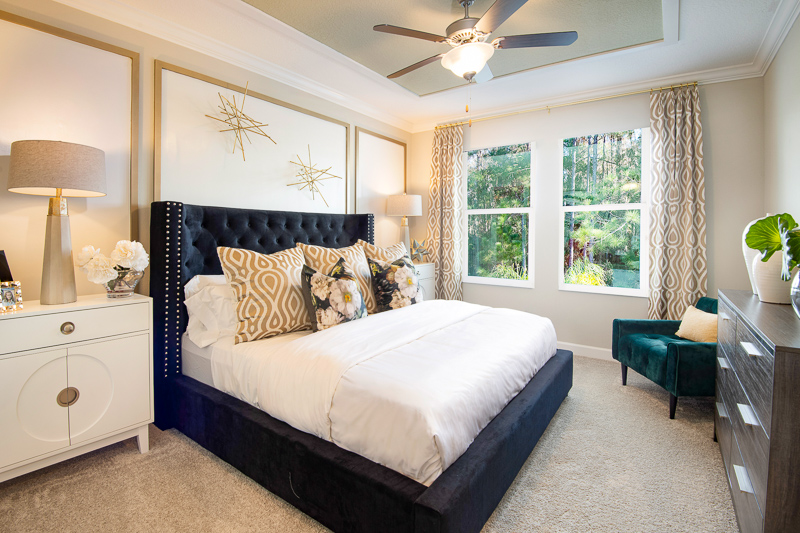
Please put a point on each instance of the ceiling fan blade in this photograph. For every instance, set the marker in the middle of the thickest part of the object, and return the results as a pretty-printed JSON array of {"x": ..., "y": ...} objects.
[
  {"x": 561, "y": 38},
  {"x": 397, "y": 30},
  {"x": 497, "y": 14},
  {"x": 415, "y": 66}
]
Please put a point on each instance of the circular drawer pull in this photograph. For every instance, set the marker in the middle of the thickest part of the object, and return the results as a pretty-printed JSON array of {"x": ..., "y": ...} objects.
[
  {"x": 68, "y": 397},
  {"x": 67, "y": 328}
]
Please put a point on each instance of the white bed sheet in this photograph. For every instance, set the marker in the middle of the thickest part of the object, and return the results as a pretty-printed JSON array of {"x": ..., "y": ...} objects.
[{"x": 409, "y": 389}]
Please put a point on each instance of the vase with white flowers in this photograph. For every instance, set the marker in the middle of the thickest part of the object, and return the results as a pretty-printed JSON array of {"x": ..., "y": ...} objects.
[{"x": 119, "y": 273}]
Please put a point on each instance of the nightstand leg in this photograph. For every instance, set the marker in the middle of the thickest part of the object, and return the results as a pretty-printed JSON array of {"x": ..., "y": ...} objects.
[{"x": 143, "y": 439}]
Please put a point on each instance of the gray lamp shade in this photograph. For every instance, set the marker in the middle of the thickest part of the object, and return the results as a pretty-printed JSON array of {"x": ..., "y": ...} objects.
[
  {"x": 41, "y": 167},
  {"x": 404, "y": 205}
]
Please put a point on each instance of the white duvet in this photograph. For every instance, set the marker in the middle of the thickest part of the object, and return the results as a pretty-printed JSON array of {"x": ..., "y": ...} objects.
[{"x": 409, "y": 389}]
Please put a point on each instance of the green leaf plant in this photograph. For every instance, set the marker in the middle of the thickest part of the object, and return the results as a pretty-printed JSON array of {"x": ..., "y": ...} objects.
[{"x": 777, "y": 233}]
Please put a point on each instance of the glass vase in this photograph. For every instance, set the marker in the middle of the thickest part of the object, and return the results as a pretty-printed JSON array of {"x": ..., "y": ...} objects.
[{"x": 123, "y": 285}]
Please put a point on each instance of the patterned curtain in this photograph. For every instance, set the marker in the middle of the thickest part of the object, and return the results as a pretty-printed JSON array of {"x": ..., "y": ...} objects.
[
  {"x": 678, "y": 265},
  {"x": 446, "y": 211}
]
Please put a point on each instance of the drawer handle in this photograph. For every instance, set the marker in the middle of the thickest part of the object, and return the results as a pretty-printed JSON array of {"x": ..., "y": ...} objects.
[
  {"x": 721, "y": 411},
  {"x": 743, "y": 479},
  {"x": 751, "y": 349},
  {"x": 748, "y": 415},
  {"x": 68, "y": 397},
  {"x": 723, "y": 363},
  {"x": 67, "y": 328},
  {"x": 724, "y": 317}
]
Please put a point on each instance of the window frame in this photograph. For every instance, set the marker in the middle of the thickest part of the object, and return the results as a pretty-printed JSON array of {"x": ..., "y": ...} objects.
[
  {"x": 644, "y": 228},
  {"x": 479, "y": 280}
]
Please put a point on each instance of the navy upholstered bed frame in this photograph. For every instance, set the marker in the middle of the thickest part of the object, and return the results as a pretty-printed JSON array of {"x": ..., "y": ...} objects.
[{"x": 340, "y": 489}]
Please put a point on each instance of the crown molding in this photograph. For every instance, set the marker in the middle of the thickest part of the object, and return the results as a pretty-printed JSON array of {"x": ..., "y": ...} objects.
[
  {"x": 785, "y": 15},
  {"x": 143, "y": 21}
]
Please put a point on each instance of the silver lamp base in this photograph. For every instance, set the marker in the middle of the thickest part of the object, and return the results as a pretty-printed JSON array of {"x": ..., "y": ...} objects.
[{"x": 58, "y": 272}]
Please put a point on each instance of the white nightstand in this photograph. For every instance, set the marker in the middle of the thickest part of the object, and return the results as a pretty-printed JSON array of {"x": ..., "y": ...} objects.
[
  {"x": 426, "y": 273},
  {"x": 73, "y": 378}
]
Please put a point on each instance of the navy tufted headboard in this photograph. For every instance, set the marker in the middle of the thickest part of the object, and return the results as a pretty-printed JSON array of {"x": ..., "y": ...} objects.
[{"x": 183, "y": 244}]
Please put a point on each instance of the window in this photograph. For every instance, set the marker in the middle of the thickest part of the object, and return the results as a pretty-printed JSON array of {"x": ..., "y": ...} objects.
[
  {"x": 499, "y": 221},
  {"x": 604, "y": 213}
]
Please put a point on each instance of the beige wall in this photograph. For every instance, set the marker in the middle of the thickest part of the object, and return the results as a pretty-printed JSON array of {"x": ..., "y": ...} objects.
[
  {"x": 732, "y": 116},
  {"x": 781, "y": 120},
  {"x": 151, "y": 48}
]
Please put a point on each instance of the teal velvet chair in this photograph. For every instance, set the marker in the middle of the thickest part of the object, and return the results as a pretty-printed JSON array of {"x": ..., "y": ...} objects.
[{"x": 651, "y": 348}]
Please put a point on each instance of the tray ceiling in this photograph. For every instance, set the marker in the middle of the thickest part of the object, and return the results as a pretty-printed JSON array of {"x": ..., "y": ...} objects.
[{"x": 346, "y": 26}]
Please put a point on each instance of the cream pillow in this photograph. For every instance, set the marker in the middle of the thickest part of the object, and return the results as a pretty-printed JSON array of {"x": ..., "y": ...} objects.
[
  {"x": 387, "y": 255},
  {"x": 323, "y": 259},
  {"x": 268, "y": 291},
  {"x": 698, "y": 326}
]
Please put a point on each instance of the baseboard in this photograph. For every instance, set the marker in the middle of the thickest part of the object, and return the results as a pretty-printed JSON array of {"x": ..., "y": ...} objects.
[{"x": 587, "y": 351}]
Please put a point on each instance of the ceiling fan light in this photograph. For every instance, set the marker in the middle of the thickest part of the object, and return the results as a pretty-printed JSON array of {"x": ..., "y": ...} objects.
[{"x": 468, "y": 58}]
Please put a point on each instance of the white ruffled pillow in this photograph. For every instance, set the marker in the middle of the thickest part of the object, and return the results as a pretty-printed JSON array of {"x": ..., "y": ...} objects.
[{"x": 210, "y": 303}]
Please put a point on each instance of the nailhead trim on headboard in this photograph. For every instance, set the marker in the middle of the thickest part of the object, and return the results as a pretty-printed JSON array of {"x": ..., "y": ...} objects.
[{"x": 183, "y": 242}]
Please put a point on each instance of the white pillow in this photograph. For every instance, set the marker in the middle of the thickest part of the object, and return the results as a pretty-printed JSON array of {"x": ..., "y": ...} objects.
[
  {"x": 211, "y": 310},
  {"x": 198, "y": 283}
]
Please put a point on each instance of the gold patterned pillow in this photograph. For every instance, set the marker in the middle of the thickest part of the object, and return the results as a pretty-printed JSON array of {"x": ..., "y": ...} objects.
[
  {"x": 323, "y": 259},
  {"x": 268, "y": 291},
  {"x": 387, "y": 255}
]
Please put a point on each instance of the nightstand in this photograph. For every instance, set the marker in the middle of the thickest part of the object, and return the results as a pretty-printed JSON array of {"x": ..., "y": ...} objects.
[
  {"x": 73, "y": 378},
  {"x": 426, "y": 273}
]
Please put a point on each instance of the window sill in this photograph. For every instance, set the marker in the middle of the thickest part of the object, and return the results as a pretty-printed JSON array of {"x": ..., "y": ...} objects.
[
  {"x": 499, "y": 282},
  {"x": 611, "y": 291}
]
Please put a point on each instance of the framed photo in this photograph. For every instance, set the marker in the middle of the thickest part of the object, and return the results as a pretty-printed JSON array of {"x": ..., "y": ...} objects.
[{"x": 10, "y": 296}]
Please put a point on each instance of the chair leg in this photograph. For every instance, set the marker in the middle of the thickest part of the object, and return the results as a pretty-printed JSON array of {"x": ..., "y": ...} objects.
[
  {"x": 624, "y": 374},
  {"x": 673, "y": 402}
]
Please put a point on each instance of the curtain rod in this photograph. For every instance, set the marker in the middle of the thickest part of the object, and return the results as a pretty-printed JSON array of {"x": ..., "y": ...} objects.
[{"x": 549, "y": 107}]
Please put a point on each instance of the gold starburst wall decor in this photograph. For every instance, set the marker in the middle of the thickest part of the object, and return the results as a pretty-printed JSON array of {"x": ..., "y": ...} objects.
[
  {"x": 239, "y": 122},
  {"x": 310, "y": 176}
]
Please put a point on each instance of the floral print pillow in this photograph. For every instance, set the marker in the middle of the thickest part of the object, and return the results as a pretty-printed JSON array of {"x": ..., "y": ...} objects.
[
  {"x": 395, "y": 284},
  {"x": 334, "y": 298}
]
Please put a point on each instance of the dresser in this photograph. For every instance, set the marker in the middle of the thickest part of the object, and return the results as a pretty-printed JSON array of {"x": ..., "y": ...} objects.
[
  {"x": 73, "y": 378},
  {"x": 426, "y": 275},
  {"x": 757, "y": 419}
]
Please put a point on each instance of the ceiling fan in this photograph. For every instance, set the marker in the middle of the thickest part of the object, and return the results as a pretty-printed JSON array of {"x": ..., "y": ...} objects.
[{"x": 468, "y": 36}]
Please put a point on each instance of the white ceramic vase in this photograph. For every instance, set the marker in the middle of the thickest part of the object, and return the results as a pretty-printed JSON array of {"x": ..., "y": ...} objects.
[
  {"x": 749, "y": 254},
  {"x": 767, "y": 279}
]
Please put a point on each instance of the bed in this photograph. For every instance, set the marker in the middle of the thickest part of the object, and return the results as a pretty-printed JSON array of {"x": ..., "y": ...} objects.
[{"x": 340, "y": 489}]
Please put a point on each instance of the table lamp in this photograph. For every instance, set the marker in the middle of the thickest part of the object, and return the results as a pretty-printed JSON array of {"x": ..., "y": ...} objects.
[
  {"x": 404, "y": 205},
  {"x": 60, "y": 170}
]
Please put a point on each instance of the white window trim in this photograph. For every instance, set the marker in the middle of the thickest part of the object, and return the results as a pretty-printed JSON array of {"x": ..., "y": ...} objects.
[
  {"x": 644, "y": 227},
  {"x": 479, "y": 280}
]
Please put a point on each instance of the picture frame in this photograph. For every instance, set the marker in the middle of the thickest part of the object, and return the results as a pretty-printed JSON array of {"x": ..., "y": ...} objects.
[{"x": 10, "y": 296}]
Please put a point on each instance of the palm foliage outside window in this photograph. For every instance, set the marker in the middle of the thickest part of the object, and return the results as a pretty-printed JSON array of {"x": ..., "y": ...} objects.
[
  {"x": 604, "y": 215},
  {"x": 499, "y": 215}
]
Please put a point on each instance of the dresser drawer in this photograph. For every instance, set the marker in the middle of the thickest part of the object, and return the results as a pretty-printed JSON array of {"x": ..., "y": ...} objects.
[
  {"x": 754, "y": 363},
  {"x": 424, "y": 270},
  {"x": 722, "y": 427},
  {"x": 752, "y": 441},
  {"x": 726, "y": 328},
  {"x": 748, "y": 512},
  {"x": 44, "y": 330}
]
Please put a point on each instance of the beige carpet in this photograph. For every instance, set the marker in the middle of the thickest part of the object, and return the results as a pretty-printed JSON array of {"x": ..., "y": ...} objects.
[{"x": 611, "y": 460}]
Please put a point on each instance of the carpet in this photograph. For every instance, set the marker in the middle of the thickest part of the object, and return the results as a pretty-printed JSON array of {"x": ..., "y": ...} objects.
[{"x": 610, "y": 461}]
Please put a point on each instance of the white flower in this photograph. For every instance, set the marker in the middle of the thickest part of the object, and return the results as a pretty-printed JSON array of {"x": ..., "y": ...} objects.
[
  {"x": 86, "y": 254},
  {"x": 327, "y": 318},
  {"x": 130, "y": 254},
  {"x": 345, "y": 297},
  {"x": 406, "y": 282},
  {"x": 320, "y": 286},
  {"x": 100, "y": 269},
  {"x": 399, "y": 301}
]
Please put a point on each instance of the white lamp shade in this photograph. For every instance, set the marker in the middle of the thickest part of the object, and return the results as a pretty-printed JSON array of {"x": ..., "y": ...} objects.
[
  {"x": 470, "y": 57},
  {"x": 41, "y": 167},
  {"x": 404, "y": 205}
]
